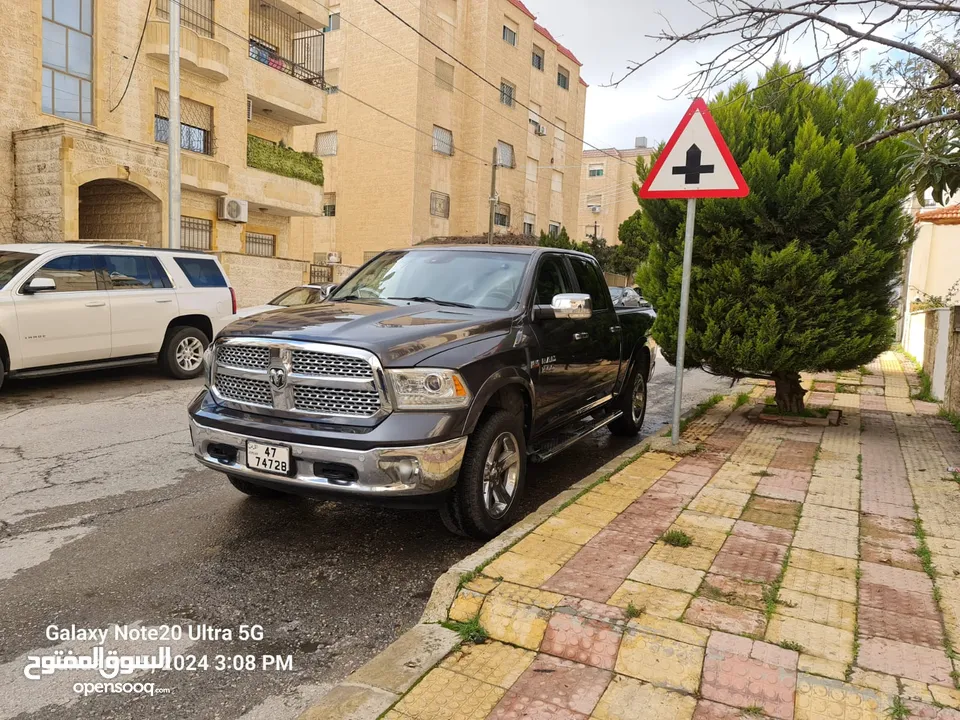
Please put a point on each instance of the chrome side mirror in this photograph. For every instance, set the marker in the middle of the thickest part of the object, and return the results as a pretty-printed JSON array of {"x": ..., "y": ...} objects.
[
  {"x": 40, "y": 284},
  {"x": 572, "y": 306}
]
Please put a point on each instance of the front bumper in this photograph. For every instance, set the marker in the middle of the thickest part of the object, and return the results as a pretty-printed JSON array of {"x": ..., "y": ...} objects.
[{"x": 391, "y": 472}]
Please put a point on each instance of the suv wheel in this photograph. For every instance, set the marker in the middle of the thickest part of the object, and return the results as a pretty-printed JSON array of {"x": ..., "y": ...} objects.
[
  {"x": 632, "y": 402},
  {"x": 492, "y": 478},
  {"x": 3, "y": 372},
  {"x": 253, "y": 490},
  {"x": 182, "y": 354}
]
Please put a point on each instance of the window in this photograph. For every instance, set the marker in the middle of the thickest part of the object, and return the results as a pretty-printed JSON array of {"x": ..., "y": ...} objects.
[
  {"x": 534, "y": 116},
  {"x": 592, "y": 231},
  {"x": 440, "y": 204},
  {"x": 505, "y": 154},
  {"x": 552, "y": 280},
  {"x": 195, "y": 14},
  {"x": 71, "y": 273},
  {"x": 595, "y": 170},
  {"x": 592, "y": 283},
  {"x": 326, "y": 144},
  {"x": 68, "y": 59},
  {"x": 556, "y": 181},
  {"x": 554, "y": 229},
  {"x": 444, "y": 73},
  {"x": 369, "y": 255},
  {"x": 507, "y": 92},
  {"x": 135, "y": 272},
  {"x": 560, "y": 136},
  {"x": 532, "y": 168},
  {"x": 447, "y": 10},
  {"x": 538, "y": 58},
  {"x": 331, "y": 80},
  {"x": 563, "y": 78},
  {"x": 510, "y": 29},
  {"x": 501, "y": 215},
  {"x": 196, "y": 233},
  {"x": 12, "y": 263},
  {"x": 529, "y": 223},
  {"x": 196, "y": 124},
  {"x": 329, "y": 204},
  {"x": 442, "y": 140},
  {"x": 261, "y": 244},
  {"x": 594, "y": 200},
  {"x": 202, "y": 272},
  {"x": 334, "y": 23}
]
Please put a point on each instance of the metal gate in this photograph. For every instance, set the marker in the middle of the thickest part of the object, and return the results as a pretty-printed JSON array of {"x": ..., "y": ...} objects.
[{"x": 320, "y": 274}]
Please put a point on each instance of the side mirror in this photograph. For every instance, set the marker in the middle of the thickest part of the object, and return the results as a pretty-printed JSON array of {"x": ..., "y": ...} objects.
[
  {"x": 572, "y": 306},
  {"x": 328, "y": 291},
  {"x": 40, "y": 284}
]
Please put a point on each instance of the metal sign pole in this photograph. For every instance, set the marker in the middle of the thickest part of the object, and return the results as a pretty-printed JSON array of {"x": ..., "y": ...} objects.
[{"x": 682, "y": 329}]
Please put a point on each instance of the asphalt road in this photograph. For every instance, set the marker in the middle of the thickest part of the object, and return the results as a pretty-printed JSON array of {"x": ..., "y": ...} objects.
[{"x": 105, "y": 519}]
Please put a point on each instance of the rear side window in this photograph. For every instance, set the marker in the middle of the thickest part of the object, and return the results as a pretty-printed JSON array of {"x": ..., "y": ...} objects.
[
  {"x": 71, "y": 273},
  {"x": 591, "y": 282},
  {"x": 135, "y": 272},
  {"x": 202, "y": 272}
]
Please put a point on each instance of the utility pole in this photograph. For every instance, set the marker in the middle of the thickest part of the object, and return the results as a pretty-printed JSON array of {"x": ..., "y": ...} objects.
[
  {"x": 595, "y": 230},
  {"x": 493, "y": 194},
  {"x": 173, "y": 128}
]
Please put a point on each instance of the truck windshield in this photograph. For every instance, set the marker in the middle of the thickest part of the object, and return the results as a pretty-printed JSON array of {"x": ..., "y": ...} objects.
[
  {"x": 466, "y": 278},
  {"x": 11, "y": 263}
]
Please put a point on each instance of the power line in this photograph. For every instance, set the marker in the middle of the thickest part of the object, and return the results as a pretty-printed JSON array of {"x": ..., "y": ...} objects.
[{"x": 133, "y": 66}]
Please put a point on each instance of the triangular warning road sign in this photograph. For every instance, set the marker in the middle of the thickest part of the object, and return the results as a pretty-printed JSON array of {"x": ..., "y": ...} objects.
[{"x": 696, "y": 162}]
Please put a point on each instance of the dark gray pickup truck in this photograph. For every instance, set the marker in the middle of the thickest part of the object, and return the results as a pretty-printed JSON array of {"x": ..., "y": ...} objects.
[{"x": 429, "y": 377}]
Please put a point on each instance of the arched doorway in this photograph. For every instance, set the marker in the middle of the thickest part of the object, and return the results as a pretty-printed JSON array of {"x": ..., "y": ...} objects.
[{"x": 117, "y": 210}]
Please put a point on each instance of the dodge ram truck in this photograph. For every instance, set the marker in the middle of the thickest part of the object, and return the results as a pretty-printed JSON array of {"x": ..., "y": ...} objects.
[{"x": 430, "y": 377}]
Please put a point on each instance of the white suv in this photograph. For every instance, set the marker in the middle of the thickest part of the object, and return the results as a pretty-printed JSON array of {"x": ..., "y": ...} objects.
[{"x": 66, "y": 307}]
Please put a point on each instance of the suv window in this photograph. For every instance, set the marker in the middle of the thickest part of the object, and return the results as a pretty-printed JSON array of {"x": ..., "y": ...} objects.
[
  {"x": 202, "y": 272},
  {"x": 135, "y": 272},
  {"x": 11, "y": 263},
  {"x": 591, "y": 283},
  {"x": 71, "y": 273},
  {"x": 551, "y": 280}
]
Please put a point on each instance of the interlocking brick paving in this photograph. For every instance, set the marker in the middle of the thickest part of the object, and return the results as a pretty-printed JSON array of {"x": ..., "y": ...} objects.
[
  {"x": 725, "y": 617},
  {"x": 822, "y": 699},
  {"x": 905, "y": 660},
  {"x": 905, "y": 628},
  {"x": 559, "y": 683},
  {"x": 661, "y": 661},
  {"x": 629, "y": 699},
  {"x": 582, "y": 640}
]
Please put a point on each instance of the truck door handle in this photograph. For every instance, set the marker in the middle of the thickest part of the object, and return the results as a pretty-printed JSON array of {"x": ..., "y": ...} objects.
[
  {"x": 96, "y": 303},
  {"x": 614, "y": 328},
  {"x": 169, "y": 300},
  {"x": 581, "y": 336}
]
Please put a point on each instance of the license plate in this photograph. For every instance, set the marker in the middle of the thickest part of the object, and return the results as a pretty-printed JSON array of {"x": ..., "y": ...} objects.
[{"x": 268, "y": 458}]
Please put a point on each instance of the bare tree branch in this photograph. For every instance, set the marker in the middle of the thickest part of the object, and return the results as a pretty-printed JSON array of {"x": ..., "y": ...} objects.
[{"x": 907, "y": 127}]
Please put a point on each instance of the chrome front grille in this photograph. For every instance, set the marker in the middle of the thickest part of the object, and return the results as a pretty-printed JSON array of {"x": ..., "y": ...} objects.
[{"x": 297, "y": 379}]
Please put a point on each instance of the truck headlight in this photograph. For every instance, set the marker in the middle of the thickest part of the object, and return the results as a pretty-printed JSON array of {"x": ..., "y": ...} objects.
[{"x": 428, "y": 389}]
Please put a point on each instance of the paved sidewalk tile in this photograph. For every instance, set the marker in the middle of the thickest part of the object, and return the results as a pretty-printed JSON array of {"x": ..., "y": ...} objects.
[
  {"x": 559, "y": 683},
  {"x": 629, "y": 699},
  {"x": 899, "y": 601},
  {"x": 762, "y": 533},
  {"x": 904, "y": 628},
  {"x": 822, "y": 699},
  {"x": 590, "y": 642},
  {"x": 815, "y": 608},
  {"x": 527, "y": 595},
  {"x": 731, "y": 590},
  {"x": 657, "y": 601},
  {"x": 749, "y": 674},
  {"x": 667, "y": 575},
  {"x": 664, "y": 662},
  {"x": 815, "y": 583},
  {"x": 603, "y": 560},
  {"x": 911, "y": 661},
  {"x": 583, "y": 584},
  {"x": 728, "y": 618},
  {"x": 546, "y": 549},
  {"x": 695, "y": 557},
  {"x": 521, "y": 569},
  {"x": 823, "y": 641},
  {"x": 446, "y": 695},
  {"x": 672, "y": 629},
  {"x": 822, "y": 563},
  {"x": 514, "y": 623},
  {"x": 493, "y": 663}
]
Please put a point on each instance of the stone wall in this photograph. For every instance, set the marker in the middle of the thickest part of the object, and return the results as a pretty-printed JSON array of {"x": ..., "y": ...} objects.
[
  {"x": 952, "y": 399},
  {"x": 930, "y": 335},
  {"x": 112, "y": 209},
  {"x": 257, "y": 280}
]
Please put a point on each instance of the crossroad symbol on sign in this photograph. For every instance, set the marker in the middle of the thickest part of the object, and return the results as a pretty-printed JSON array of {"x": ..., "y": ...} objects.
[{"x": 692, "y": 170}]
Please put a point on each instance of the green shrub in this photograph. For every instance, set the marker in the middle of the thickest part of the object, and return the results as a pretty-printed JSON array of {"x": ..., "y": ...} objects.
[{"x": 281, "y": 160}]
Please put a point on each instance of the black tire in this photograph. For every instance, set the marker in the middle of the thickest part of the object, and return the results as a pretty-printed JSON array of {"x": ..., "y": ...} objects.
[
  {"x": 254, "y": 490},
  {"x": 3, "y": 372},
  {"x": 630, "y": 422},
  {"x": 174, "y": 355},
  {"x": 467, "y": 512}
]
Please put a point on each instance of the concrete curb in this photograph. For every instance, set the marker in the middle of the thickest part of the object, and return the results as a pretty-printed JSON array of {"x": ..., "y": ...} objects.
[{"x": 370, "y": 691}]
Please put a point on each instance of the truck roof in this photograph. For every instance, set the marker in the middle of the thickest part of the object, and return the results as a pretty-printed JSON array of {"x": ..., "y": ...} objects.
[{"x": 512, "y": 249}]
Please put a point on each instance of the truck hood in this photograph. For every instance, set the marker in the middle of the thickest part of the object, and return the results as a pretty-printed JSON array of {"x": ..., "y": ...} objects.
[{"x": 400, "y": 335}]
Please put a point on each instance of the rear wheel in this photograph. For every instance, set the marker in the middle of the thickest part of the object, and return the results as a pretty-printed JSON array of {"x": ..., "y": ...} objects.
[
  {"x": 3, "y": 372},
  {"x": 632, "y": 402},
  {"x": 182, "y": 354},
  {"x": 492, "y": 478},
  {"x": 254, "y": 490}
]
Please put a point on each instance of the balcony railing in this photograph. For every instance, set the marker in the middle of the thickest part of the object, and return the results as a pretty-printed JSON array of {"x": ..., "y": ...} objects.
[
  {"x": 194, "y": 14},
  {"x": 286, "y": 43}
]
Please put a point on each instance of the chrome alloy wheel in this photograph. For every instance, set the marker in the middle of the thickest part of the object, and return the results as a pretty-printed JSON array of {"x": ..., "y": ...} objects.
[
  {"x": 639, "y": 397},
  {"x": 501, "y": 475},
  {"x": 189, "y": 354}
]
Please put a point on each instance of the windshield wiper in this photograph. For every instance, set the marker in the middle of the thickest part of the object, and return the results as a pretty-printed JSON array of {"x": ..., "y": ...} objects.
[
  {"x": 424, "y": 298},
  {"x": 345, "y": 298}
]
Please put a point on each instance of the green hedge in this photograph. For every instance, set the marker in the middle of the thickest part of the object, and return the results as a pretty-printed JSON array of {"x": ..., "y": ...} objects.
[{"x": 281, "y": 160}]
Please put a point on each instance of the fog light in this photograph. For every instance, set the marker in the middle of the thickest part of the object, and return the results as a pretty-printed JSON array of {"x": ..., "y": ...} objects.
[{"x": 402, "y": 470}]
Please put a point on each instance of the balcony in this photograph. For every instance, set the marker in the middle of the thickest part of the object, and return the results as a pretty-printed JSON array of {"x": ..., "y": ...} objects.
[
  {"x": 278, "y": 195},
  {"x": 288, "y": 53},
  {"x": 204, "y": 175},
  {"x": 200, "y": 52}
]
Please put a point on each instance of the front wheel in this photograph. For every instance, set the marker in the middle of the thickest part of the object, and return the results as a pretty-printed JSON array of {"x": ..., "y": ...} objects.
[
  {"x": 632, "y": 403},
  {"x": 492, "y": 478}
]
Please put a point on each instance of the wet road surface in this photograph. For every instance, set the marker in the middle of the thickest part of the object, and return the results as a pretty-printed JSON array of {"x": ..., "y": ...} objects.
[{"x": 106, "y": 519}]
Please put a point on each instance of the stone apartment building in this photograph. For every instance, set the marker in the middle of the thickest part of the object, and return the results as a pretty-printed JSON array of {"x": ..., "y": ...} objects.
[
  {"x": 427, "y": 174},
  {"x": 606, "y": 190}
]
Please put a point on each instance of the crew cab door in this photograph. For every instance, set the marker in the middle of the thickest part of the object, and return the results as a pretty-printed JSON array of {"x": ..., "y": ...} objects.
[
  {"x": 557, "y": 372},
  {"x": 599, "y": 352},
  {"x": 142, "y": 303},
  {"x": 70, "y": 323}
]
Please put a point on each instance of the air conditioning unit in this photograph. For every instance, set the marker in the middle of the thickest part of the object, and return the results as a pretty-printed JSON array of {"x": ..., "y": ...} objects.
[
  {"x": 232, "y": 209},
  {"x": 541, "y": 131},
  {"x": 595, "y": 209},
  {"x": 333, "y": 258},
  {"x": 249, "y": 109}
]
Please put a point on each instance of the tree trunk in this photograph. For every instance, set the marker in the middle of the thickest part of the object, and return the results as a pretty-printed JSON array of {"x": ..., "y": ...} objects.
[{"x": 789, "y": 395}]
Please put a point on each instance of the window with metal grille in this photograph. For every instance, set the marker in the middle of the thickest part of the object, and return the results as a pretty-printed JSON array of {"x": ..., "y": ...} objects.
[
  {"x": 329, "y": 204},
  {"x": 538, "y": 58},
  {"x": 529, "y": 223},
  {"x": 194, "y": 14},
  {"x": 261, "y": 244},
  {"x": 507, "y": 91},
  {"x": 596, "y": 170},
  {"x": 554, "y": 229},
  {"x": 440, "y": 204},
  {"x": 501, "y": 215},
  {"x": 369, "y": 255},
  {"x": 444, "y": 73},
  {"x": 196, "y": 233},
  {"x": 326, "y": 144},
  {"x": 68, "y": 59},
  {"x": 563, "y": 78},
  {"x": 196, "y": 124},
  {"x": 505, "y": 154},
  {"x": 442, "y": 140}
]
